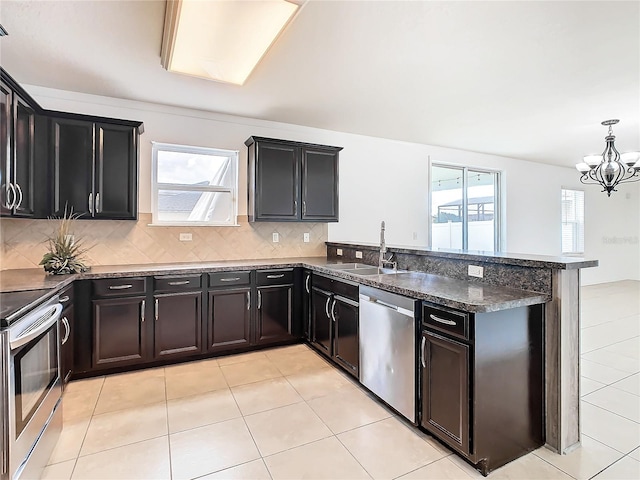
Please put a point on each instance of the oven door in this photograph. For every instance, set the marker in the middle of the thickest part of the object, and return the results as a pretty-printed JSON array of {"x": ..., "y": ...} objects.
[{"x": 34, "y": 381}]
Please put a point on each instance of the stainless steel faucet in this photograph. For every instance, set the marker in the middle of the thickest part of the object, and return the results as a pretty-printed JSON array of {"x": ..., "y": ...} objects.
[{"x": 383, "y": 249}]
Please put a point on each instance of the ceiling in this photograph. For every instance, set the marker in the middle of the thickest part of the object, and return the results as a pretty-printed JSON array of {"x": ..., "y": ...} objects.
[{"x": 531, "y": 80}]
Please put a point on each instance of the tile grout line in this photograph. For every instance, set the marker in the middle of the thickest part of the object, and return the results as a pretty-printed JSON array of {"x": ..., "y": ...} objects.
[
  {"x": 609, "y": 446},
  {"x": 166, "y": 404},
  {"x": 607, "y": 410}
]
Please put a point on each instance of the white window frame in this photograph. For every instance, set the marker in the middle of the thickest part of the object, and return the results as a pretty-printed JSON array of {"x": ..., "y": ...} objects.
[
  {"x": 580, "y": 232},
  {"x": 156, "y": 187}
]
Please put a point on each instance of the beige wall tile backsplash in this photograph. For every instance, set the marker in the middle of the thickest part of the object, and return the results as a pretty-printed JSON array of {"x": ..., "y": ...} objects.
[{"x": 115, "y": 242}]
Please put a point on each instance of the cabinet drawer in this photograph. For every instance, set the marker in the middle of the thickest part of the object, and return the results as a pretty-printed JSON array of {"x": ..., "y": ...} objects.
[
  {"x": 177, "y": 283},
  {"x": 321, "y": 282},
  {"x": 447, "y": 320},
  {"x": 112, "y": 287},
  {"x": 227, "y": 279},
  {"x": 274, "y": 277},
  {"x": 66, "y": 296},
  {"x": 347, "y": 290}
]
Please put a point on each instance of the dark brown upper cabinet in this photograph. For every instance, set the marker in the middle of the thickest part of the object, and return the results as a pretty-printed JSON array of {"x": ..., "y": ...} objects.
[
  {"x": 95, "y": 168},
  {"x": 292, "y": 181}
]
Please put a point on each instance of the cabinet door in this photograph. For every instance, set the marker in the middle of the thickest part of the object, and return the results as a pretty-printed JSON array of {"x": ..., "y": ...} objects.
[
  {"x": 177, "y": 325},
  {"x": 273, "y": 319},
  {"x": 24, "y": 155},
  {"x": 306, "y": 305},
  {"x": 321, "y": 323},
  {"x": 119, "y": 332},
  {"x": 319, "y": 185},
  {"x": 7, "y": 195},
  {"x": 229, "y": 319},
  {"x": 73, "y": 166},
  {"x": 66, "y": 344},
  {"x": 445, "y": 390},
  {"x": 346, "y": 350},
  {"x": 277, "y": 180},
  {"x": 116, "y": 172}
]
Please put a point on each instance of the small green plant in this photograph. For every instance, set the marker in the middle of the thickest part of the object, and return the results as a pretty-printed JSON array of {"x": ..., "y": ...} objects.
[{"x": 65, "y": 252}]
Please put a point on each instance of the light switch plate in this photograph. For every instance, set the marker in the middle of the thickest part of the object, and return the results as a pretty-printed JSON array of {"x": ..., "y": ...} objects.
[
  {"x": 476, "y": 271},
  {"x": 275, "y": 237},
  {"x": 305, "y": 237},
  {"x": 339, "y": 252},
  {"x": 186, "y": 237},
  {"x": 358, "y": 254}
]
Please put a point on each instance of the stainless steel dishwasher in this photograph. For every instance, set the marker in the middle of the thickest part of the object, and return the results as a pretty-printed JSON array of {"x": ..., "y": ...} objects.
[{"x": 388, "y": 348}]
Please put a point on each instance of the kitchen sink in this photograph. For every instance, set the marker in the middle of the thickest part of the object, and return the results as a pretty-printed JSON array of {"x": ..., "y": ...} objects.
[
  {"x": 363, "y": 269},
  {"x": 348, "y": 266}
]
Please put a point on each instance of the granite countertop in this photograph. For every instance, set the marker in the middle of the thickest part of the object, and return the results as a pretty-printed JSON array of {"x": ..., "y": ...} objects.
[
  {"x": 27, "y": 287},
  {"x": 520, "y": 259}
]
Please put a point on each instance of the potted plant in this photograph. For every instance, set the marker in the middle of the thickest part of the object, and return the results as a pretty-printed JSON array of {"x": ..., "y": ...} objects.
[{"x": 65, "y": 252}]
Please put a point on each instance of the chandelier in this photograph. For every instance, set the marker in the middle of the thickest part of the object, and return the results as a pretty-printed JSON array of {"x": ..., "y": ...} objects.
[{"x": 610, "y": 168}]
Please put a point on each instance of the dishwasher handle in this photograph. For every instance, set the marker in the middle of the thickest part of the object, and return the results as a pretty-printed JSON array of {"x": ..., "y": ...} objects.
[{"x": 401, "y": 310}]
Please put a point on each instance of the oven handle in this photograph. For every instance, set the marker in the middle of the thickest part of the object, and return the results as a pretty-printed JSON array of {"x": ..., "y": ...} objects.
[{"x": 31, "y": 334}]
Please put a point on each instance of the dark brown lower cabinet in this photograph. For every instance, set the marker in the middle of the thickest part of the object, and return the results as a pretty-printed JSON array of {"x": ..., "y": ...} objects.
[
  {"x": 119, "y": 331},
  {"x": 66, "y": 343},
  {"x": 177, "y": 324},
  {"x": 229, "y": 318},
  {"x": 346, "y": 348},
  {"x": 274, "y": 314}
]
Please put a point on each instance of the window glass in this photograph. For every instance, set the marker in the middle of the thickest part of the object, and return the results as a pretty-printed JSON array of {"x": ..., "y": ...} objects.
[
  {"x": 194, "y": 185},
  {"x": 572, "y": 221}
]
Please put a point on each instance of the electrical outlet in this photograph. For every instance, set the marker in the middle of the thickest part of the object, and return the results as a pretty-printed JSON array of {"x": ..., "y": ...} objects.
[
  {"x": 339, "y": 252},
  {"x": 275, "y": 237},
  {"x": 186, "y": 237},
  {"x": 476, "y": 271},
  {"x": 358, "y": 254},
  {"x": 305, "y": 237}
]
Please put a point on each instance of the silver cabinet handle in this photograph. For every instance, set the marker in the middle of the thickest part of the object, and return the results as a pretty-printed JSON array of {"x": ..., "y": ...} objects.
[
  {"x": 442, "y": 320},
  {"x": 91, "y": 203},
  {"x": 183, "y": 282},
  {"x": 333, "y": 310},
  {"x": 304, "y": 207},
  {"x": 20, "y": 195},
  {"x": 259, "y": 300},
  {"x": 120, "y": 287},
  {"x": 326, "y": 307},
  {"x": 276, "y": 276},
  {"x": 142, "y": 309},
  {"x": 64, "y": 299},
  {"x": 67, "y": 330},
  {"x": 306, "y": 283},
  {"x": 156, "y": 309},
  {"x": 97, "y": 205},
  {"x": 295, "y": 207},
  {"x": 12, "y": 189},
  {"x": 422, "y": 359},
  {"x": 248, "y": 300},
  {"x": 230, "y": 279}
]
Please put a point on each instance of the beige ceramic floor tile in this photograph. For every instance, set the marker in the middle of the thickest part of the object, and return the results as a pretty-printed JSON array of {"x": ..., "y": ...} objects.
[
  {"x": 124, "y": 427},
  {"x": 130, "y": 391},
  {"x": 291, "y": 361},
  {"x": 185, "y": 381},
  {"x": 584, "y": 462},
  {"x": 187, "y": 367},
  {"x": 70, "y": 441},
  {"x": 319, "y": 383},
  {"x": 443, "y": 469},
  {"x": 261, "y": 396},
  {"x": 241, "y": 358},
  {"x": 588, "y": 386},
  {"x": 625, "y": 469},
  {"x": 135, "y": 376},
  {"x": 286, "y": 427},
  {"x": 630, "y": 384},
  {"x": 371, "y": 445},
  {"x": 601, "y": 373},
  {"x": 635, "y": 454},
  {"x": 324, "y": 459},
  {"x": 198, "y": 410},
  {"x": 629, "y": 348},
  {"x": 80, "y": 398},
  {"x": 608, "y": 428},
  {"x": 143, "y": 460},
  {"x": 624, "y": 404},
  {"x": 348, "y": 409},
  {"x": 529, "y": 467},
  {"x": 255, "y": 470},
  {"x": 613, "y": 360},
  {"x": 211, "y": 448},
  {"x": 59, "y": 471},
  {"x": 250, "y": 372},
  {"x": 84, "y": 385}
]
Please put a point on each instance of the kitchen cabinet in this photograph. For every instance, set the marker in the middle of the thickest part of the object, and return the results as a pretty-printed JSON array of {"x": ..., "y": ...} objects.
[
  {"x": 95, "y": 167},
  {"x": 119, "y": 322},
  {"x": 292, "y": 181},
  {"x": 229, "y": 311},
  {"x": 274, "y": 306},
  {"x": 482, "y": 382},
  {"x": 177, "y": 315},
  {"x": 335, "y": 321},
  {"x": 67, "y": 334}
]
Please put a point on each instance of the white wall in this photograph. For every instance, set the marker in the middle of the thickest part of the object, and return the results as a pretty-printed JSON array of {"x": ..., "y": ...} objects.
[{"x": 387, "y": 180}]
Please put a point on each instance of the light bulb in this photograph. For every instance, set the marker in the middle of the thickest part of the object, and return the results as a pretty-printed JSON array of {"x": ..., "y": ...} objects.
[
  {"x": 593, "y": 160},
  {"x": 583, "y": 167},
  {"x": 630, "y": 158}
]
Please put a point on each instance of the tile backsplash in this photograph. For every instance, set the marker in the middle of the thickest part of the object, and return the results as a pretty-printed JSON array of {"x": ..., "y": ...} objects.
[{"x": 121, "y": 242}]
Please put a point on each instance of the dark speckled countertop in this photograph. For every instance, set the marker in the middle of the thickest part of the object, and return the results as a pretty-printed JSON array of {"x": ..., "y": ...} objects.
[{"x": 30, "y": 286}]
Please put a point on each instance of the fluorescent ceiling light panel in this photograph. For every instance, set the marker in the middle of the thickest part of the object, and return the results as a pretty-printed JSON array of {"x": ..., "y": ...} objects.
[{"x": 221, "y": 39}]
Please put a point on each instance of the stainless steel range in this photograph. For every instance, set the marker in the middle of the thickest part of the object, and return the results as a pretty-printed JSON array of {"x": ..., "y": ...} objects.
[{"x": 30, "y": 391}]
